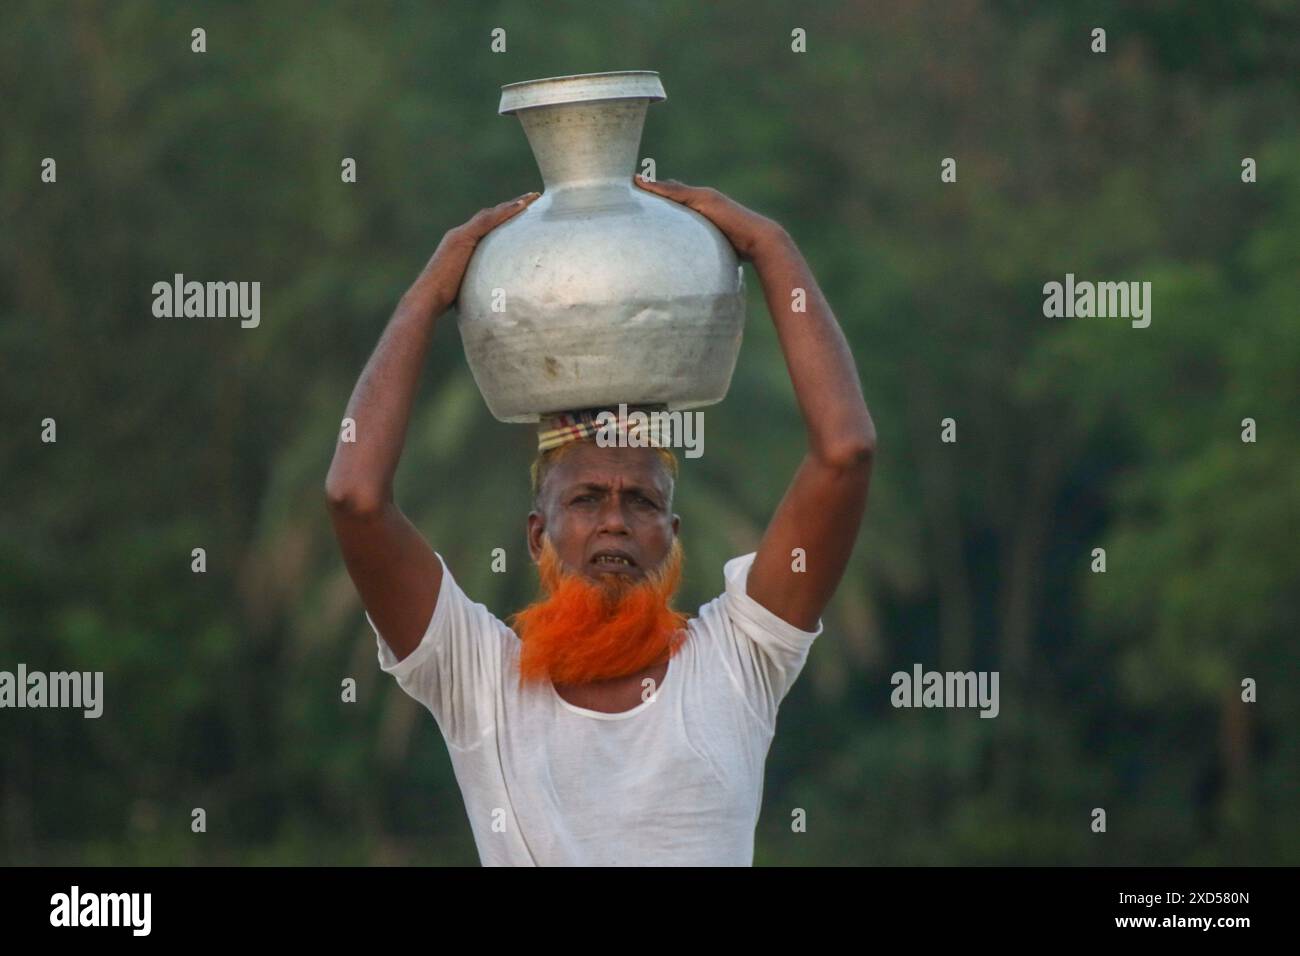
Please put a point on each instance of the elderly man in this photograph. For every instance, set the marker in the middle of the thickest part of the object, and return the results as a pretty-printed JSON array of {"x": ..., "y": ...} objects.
[{"x": 604, "y": 727}]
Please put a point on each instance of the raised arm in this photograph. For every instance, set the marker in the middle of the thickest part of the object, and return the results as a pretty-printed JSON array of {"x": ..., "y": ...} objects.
[
  {"x": 395, "y": 571},
  {"x": 822, "y": 509}
]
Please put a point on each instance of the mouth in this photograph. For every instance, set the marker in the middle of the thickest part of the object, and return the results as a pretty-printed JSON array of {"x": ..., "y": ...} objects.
[{"x": 614, "y": 561}]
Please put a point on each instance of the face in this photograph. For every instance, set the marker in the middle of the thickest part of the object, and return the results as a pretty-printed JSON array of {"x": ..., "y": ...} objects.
[{"x": 607, "y": 512}]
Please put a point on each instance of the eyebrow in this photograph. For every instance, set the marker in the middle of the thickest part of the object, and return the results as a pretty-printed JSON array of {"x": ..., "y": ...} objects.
[{"x": 596, "y": 486}]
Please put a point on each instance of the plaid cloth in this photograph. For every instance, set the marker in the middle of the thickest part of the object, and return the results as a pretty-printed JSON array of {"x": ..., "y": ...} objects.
[{"x": 556, "y": 430}]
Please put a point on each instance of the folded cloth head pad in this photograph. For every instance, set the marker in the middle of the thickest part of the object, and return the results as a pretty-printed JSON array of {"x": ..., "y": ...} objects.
[{"x": 641, "y": 422}]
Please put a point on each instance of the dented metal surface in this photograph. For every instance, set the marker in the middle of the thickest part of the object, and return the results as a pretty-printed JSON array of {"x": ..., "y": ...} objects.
[{"x": 599, "y": 292}]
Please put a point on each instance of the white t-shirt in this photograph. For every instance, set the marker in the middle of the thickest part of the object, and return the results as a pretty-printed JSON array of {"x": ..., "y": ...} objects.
[{"x": 675, "y": 781}]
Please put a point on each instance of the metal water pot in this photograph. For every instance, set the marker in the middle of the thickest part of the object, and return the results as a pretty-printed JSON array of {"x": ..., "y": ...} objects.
[{"x": 599, "y": 292}]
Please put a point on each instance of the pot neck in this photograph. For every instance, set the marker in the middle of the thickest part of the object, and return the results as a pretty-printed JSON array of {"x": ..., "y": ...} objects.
[{"x": 585, "y": 143}]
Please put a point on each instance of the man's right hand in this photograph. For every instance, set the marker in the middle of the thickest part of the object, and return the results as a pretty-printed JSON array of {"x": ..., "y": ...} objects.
[{"x": 441, "y": 278}]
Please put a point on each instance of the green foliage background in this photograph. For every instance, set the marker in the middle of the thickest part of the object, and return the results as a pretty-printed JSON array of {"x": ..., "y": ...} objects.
[{"x": 1119, "y": 690}]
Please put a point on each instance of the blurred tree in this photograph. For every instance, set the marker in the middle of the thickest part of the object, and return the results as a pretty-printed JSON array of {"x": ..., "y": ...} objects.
[{"x": 1119, "y": 690}]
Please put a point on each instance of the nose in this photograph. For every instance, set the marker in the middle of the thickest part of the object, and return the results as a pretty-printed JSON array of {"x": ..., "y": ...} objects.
[{"x": 612, "y": 518}]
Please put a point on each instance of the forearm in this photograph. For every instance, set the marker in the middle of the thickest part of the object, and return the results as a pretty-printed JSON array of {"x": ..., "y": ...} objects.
[
  {"x": 817, "y": 355},
  {"x": 361, "y": 475}
]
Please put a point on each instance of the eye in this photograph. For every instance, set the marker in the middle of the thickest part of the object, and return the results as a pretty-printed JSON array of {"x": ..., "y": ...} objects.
[{"x": 583, "y": 498}]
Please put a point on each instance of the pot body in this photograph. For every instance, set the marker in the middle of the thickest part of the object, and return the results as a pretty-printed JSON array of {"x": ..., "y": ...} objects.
[{"x": 599, "y": 292}]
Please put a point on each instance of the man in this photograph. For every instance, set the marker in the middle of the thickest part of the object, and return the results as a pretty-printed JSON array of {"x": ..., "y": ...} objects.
[{"x": 606, "y": 728}]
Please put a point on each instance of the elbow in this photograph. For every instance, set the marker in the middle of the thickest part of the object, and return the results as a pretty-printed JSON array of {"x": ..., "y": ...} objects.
[
  {"x": 851, "y": 455},
  {"x": 343, "y": 498}
]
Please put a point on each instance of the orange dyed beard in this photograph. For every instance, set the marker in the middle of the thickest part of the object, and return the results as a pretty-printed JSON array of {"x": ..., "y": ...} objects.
[{"x": 584, "y": 631}]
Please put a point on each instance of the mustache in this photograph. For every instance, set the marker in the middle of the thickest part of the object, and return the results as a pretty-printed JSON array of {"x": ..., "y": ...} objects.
[{"x": 580, "y": 630}]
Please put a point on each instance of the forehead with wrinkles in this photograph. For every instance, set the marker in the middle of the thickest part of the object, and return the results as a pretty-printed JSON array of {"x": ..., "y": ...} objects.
[{"x": 586, "y": 463}]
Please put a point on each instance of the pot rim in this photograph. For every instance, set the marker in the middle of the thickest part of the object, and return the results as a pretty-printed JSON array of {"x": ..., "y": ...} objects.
[{"x": 581, "y": 88}]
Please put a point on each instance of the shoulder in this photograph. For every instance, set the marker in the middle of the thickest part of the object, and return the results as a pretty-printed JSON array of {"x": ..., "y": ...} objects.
[
  {"x": 459, "y": 626},
  {"x": 763, "y": 653},
  {"x": 755, "y": 620}
]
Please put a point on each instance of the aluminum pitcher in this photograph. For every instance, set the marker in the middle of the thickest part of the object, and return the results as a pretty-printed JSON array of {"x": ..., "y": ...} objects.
[{"x": 599, "y": 292}]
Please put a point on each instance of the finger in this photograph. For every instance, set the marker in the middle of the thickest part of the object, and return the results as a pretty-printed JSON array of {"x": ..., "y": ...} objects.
[
  {"x": 485, "y": 220},
  {"x": 667, "y": 187},
  {"x": 700, "y": 198},
  {"x": 513, "y": 207},
  {"x": 501, "y": 211}
]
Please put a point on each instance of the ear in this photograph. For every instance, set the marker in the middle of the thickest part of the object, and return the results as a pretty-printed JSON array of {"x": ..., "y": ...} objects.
[
  {"x": 677, "y": 523},
  {"x": 536, "y": 528}
]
